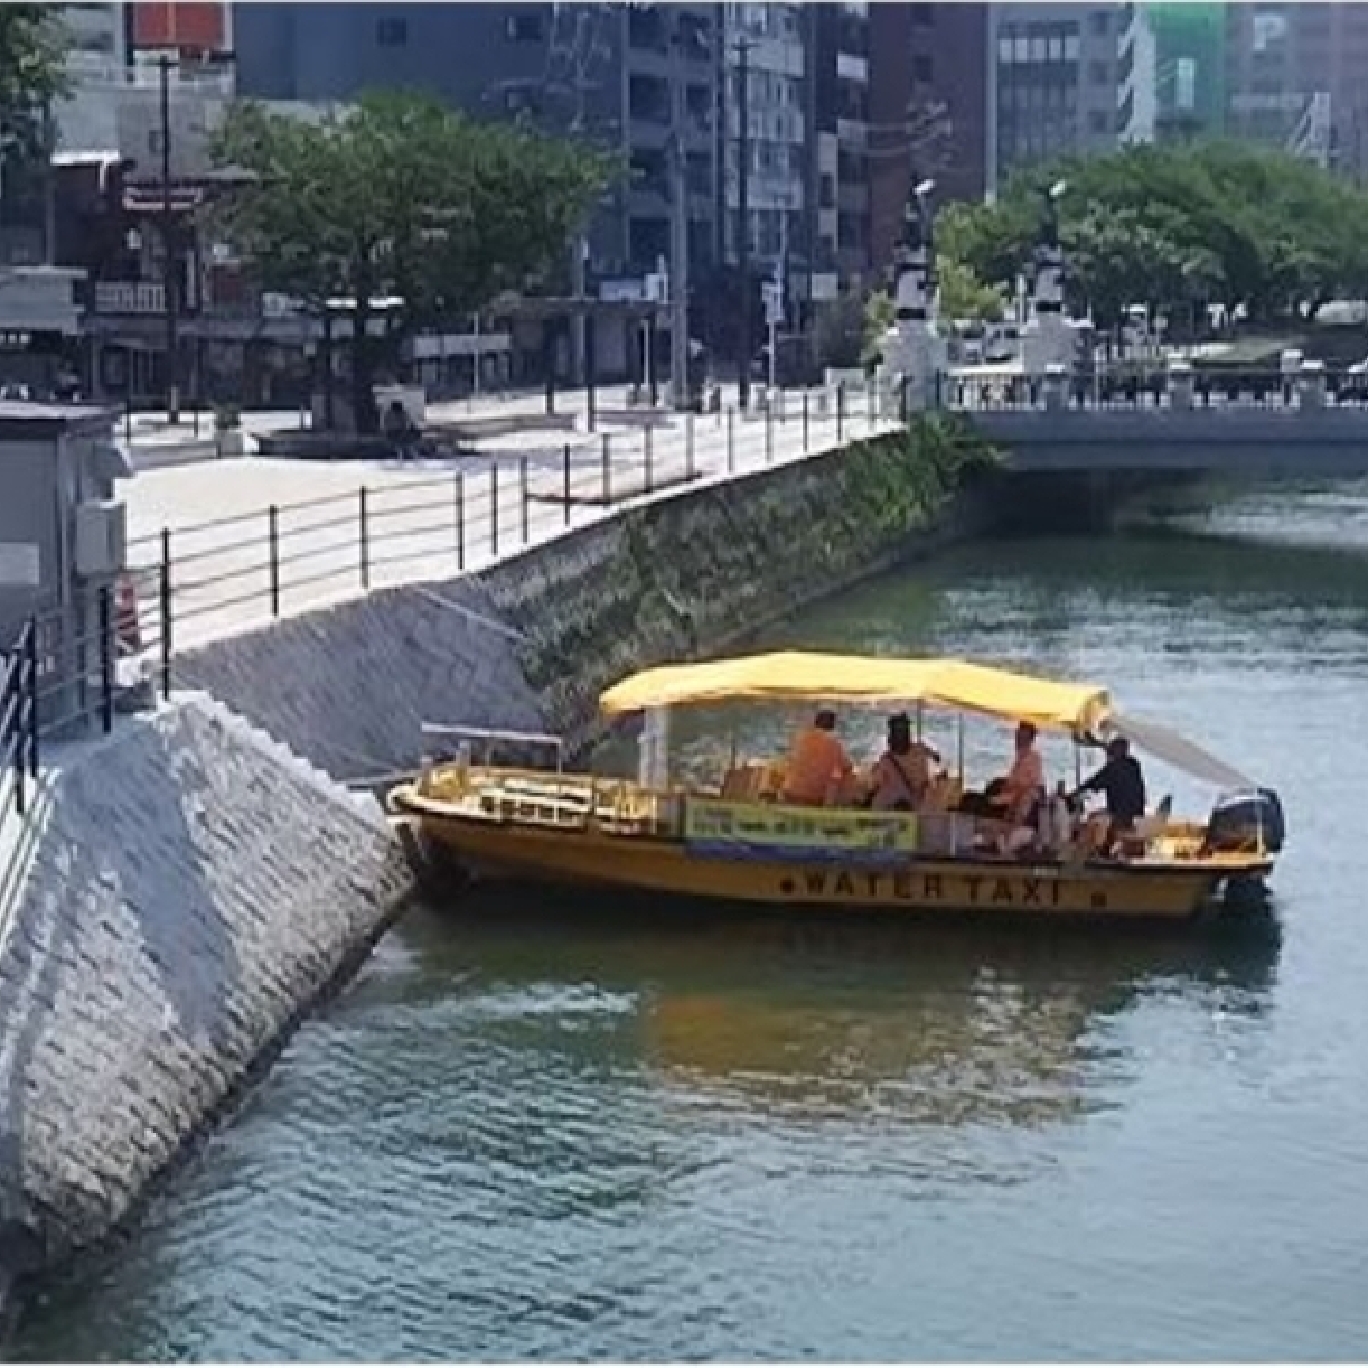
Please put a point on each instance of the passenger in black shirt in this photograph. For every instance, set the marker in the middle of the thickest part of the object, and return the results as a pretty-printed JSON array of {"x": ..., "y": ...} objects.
[{"x": 1122, "y": 784}]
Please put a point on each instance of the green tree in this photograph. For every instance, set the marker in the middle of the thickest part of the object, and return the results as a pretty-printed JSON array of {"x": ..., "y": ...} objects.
[
  {"x": 964, "y": 295},
  {"x": 33, "y": 44},
  {"x": 401, "y": 197},
  {"x": 1178, "y": 226}
]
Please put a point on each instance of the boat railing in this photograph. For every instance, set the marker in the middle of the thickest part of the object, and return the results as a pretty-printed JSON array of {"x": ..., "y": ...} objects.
[{"x": 491, "y": 736}]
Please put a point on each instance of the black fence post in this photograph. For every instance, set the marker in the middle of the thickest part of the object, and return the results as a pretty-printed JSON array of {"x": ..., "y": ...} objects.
[
  {"x": 769, "y": 428},
  {"x": 731, "y": 441},
  {"x": 688, "y": 446},
  {"x": 273, "y": 537},
  {"x": 565, "y": 466},
  {"x": 166, "y": 625},
  {"x": 525, "y": 498},
  {"x": 840, "y": 413},
  {"x": 902, "y": 398},
  {"x": 364, "y": 529},
  {"x": 458, "y": 496},
  {"x": 33, "y": 697},
  {"x": 805, "y": 422},
  {"x": 647, "y": 455},
  {"x": 106, "y": 658},
  {"x": 494, "y": 508},
  {"x": 607, "y": 469}
]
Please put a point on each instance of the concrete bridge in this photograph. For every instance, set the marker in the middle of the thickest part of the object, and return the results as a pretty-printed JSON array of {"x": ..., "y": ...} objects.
[{"x": 1256, "y": 442}]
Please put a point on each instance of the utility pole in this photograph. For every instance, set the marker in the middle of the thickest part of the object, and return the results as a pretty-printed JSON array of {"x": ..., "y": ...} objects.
[
  {"x": 169, "y": 277},
  {"x": 679, "y": 233},
  {"x": 743, "y": 48}
]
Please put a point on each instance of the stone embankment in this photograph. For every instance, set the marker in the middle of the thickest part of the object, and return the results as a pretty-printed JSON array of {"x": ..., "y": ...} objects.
[
  {"x": 193, "y": 885},
  {"x": 192, "y": 888}
]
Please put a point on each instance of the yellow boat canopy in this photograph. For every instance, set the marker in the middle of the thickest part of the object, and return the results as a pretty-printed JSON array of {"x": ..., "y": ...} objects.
[{"x": 793, "y": 676}]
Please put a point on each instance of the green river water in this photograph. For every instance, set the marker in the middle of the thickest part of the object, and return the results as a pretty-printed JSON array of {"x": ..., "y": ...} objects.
[{"x": 538, "y": 1130}]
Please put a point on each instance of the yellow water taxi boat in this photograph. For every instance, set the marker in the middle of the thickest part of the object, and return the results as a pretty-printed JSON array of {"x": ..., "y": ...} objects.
[{"x": 735, "y": 840}]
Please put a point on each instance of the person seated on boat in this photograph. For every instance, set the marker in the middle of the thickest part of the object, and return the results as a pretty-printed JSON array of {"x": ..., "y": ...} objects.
[
  {"x": 819, "y": 770},
  {"x": 1122, "y": 784},
  {"x": 1016, "y": 795},
  {"x": 902, "y": 774}
]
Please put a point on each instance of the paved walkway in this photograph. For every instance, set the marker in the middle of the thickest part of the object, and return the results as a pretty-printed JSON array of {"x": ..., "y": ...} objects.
[{"x": 340, "y": 527}]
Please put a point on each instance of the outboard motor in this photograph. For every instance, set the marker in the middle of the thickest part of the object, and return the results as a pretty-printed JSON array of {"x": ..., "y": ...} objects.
[{"x": 1240, "y": 820}]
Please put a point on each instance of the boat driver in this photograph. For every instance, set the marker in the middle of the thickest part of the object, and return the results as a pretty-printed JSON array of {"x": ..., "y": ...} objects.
[
  {"x": 1122, "y": 784},
  {"x": 819, "y": 770}
]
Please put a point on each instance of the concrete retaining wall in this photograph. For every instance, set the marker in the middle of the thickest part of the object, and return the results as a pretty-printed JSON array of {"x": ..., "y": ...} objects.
[
  {"x": 193, "y": 887},
  {"x": 533, "y": 642}
]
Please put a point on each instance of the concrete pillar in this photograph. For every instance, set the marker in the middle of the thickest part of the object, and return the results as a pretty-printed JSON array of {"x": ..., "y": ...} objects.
[
  {"x": 1311, "y": 385},
  {"x": 1180, "y": 386},
  {"x": 1056, "y": 387}
]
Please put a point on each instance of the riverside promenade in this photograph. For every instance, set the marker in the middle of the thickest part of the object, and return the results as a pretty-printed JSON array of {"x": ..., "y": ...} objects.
[{"x": 238, "y": 542}]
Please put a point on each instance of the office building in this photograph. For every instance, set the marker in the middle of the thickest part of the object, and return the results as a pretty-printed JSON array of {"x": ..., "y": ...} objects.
[
  {"x": 928, "y": 110},
  {"x": 1054, "y": 84},
  {"x": 1172, "y": 71},
  {"x": 614, "y": 74}
]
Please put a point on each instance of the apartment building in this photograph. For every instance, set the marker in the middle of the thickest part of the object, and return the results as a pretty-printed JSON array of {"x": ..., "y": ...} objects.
[
  {"x": 1297, "y": 77},
  {"x": 775, "y": 42}
]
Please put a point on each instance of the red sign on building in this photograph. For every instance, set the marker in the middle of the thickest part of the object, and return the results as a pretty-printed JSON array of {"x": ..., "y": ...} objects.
[{"x": 185, "y": 27}]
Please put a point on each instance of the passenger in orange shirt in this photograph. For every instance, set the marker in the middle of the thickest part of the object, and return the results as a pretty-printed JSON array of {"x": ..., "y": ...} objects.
[{"x": 818, "y": 766}]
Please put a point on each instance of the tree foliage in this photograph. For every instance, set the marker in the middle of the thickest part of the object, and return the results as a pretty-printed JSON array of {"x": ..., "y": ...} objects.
[
  {"x": 1177, "y": 227},
  {"x": 33, "y": 44},
  {"x": 401, "y": 197}
]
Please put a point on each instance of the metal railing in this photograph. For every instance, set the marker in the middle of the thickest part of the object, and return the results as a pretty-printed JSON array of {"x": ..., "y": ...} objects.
[
  {"x": 194, "y": 583},
  {"x": 1132, "y": 388},
  {"x": 18, "y": 724}
]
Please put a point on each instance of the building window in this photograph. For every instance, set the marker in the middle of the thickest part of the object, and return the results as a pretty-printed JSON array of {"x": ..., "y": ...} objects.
[
  {"x": 1098, "y": 122},
  {"x": 1100, "y": 20},
  {"x": 1071, "y": 47},
  {"x": 1099, "y": 73},
  {"x": 524, "y": 28},
  {"x": 827, "y": 196},
  {"x": 921, "y": 68},
  {"x": 391, "y": 32}
]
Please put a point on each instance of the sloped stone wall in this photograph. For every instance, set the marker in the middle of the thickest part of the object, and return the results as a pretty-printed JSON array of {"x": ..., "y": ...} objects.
[{"x": 193, "y": 888}]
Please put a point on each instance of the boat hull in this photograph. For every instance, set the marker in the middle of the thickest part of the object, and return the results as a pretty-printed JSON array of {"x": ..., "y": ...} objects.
[{"x": 494, "y": 849}]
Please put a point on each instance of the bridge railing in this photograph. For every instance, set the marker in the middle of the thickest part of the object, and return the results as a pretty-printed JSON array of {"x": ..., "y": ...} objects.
[{"x": 1134, "y": 389}]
